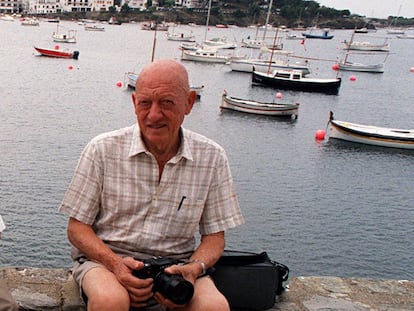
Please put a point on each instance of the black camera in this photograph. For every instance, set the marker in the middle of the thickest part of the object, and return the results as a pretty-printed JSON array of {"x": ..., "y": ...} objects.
[{"x": 171, "y": 286}]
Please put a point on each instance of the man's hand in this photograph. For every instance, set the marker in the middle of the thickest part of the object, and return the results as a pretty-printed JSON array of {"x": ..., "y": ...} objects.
[{"x": 140, "y": 290}]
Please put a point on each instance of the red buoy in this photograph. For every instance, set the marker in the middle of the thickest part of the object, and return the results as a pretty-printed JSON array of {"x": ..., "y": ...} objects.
[{"x": 320, "y": 135}]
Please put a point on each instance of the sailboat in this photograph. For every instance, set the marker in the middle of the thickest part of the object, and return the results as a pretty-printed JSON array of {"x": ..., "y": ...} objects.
[
  {"x": 395, "y": 30},
  {"x": 257, "y": 43},
  {"x": 353, "y": 66}
]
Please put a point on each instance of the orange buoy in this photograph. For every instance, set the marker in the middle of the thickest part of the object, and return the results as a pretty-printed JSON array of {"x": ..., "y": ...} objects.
[
  {"x": 352, "y": 78},
  {"x": 335, "y": 67},
  {"x": 278, "y": 95},
  {"x": 119, "y": 84}
]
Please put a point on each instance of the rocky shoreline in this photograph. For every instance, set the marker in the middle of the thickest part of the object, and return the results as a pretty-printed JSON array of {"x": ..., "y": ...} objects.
[{"x": 54, "y": 289}]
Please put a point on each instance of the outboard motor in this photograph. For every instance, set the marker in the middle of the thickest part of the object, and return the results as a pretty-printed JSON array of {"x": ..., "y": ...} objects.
[{"x": 75, "y": 54}]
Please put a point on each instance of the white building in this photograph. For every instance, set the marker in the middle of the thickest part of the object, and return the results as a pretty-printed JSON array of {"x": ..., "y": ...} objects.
[
  {"x": 10, "y": 6},
  {"x": 136, "y": 4}
]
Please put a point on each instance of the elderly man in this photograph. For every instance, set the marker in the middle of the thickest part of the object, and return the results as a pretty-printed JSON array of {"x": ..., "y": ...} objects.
[{"x": 142, "y": 192}]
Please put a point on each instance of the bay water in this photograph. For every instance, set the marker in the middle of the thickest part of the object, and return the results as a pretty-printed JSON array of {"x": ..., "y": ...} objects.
[{"x": 319, "y": 207}]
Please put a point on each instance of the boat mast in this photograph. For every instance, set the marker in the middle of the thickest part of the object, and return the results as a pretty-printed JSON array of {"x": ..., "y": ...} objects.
[
  {"x": 208, "y": 19},
  {"x": 267, "y": 19},
  {"x": 153, "y": 43},
  {"x": 349, "y": 47},
  {"x": 273, "y": 49}
]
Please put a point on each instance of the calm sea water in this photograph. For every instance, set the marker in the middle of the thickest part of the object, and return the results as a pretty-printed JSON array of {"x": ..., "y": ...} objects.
[{"x": 321, "y": 208}]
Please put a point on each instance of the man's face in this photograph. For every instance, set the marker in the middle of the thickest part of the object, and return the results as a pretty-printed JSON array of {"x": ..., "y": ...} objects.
[{"x": 161, "y": 102}]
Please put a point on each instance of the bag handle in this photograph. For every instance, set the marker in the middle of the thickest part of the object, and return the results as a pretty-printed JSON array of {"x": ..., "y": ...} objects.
[{"x": 242, "y": 258}]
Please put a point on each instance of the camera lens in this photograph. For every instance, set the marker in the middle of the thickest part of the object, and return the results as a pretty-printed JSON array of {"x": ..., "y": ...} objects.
[{"x": 174, "y": 287}]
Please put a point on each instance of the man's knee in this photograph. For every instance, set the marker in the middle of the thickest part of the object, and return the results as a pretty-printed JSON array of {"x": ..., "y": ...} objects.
[{"x": 104, "y": 292}]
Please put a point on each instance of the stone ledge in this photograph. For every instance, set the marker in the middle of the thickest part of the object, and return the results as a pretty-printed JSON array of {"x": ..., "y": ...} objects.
[{"x": 54, "y": 289}]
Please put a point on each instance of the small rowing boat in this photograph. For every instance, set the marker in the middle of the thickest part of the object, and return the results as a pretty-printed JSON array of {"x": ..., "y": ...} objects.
[{"x": 371, "y": 135}]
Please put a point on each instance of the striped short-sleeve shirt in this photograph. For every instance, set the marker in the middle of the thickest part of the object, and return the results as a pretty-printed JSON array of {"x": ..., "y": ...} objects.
[{"x": 116, "y": 189}]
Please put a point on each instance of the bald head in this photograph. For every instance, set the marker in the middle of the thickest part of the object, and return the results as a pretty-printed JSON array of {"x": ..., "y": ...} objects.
[{"x": 165, "y": 71}]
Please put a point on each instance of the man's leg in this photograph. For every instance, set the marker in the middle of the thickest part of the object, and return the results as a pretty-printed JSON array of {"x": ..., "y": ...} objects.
[
  {"x": 104, "y": 292},
  {"x": 207, "y": 297}
]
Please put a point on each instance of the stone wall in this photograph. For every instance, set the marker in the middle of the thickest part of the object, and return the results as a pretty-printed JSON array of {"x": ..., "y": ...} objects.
[{"x": 54, "y": 289}]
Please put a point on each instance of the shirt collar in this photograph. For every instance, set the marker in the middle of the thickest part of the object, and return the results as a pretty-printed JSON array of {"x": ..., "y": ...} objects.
[{"x": 138, "y": 146}]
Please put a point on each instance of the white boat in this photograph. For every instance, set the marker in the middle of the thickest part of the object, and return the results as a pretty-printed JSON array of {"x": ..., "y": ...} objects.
[
  {"x": 7, "y": 18},
  {"x": 351, "y": 66},
  {"x": 181, "y": 37},
  {"x": 201, "y": 55},
  {"x": 219, "y": 43},
  {"x": 371, "y": 135},
  {"x": 405, "y": 36},
  {"x": 292, "y": 36},
  {"x": 256, "y": 107},
  {"x": 94, "y": 28},
  {"x": 252, "y": 43},
  {"x": 190, "y": 46},
  {"x": 247, "y": 65},
  {"x": 113, "y": 21},
  {"x": 395, "y": 31},
  {"x": 29, "y": 22},
  {"x": 69, "y": 37},
  {"x": 366, "y": 46}
]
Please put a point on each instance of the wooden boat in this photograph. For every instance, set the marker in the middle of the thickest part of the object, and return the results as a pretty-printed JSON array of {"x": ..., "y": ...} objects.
[
  {"x": 113, "y": 21},
  {"x": 351, "y": 66},
  {"x": 255, "y": 107},
  {"x": 181, "y": 37},
  {"x": 29, "y": 22},
  {"x": 219, "y": 43},
  {"x": 325, "y": 35},
  {"x": 57, "y": 53},
  {"x": 361, "y": 30},
  {"x": 366, "y": 46},
  {"x": 209, "y": 56},
  {"x": 154, "y": 26},
  {"x": 371, "y": 135},
  {"x": 94, "y": 28},
  {"x": 405, "y": 36},
  {"x": 292, "y": 36},
  {"x": 294, "y": 80},
  {"x": 247, "y": 65}
]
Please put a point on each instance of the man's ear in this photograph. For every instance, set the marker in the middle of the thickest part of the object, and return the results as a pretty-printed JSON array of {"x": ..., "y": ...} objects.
[{"x": 192, "y": 95}]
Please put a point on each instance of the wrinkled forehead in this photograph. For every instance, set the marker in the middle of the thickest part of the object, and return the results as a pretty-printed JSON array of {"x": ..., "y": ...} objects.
[{"x": 169, "y": 76}]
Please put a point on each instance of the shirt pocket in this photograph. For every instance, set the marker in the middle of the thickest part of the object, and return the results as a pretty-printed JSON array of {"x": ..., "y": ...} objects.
[{"x": 183, "y": 221}]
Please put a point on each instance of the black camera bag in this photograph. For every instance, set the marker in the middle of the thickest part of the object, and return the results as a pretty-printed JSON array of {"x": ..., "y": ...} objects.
[{"x": 249, "y": 280}]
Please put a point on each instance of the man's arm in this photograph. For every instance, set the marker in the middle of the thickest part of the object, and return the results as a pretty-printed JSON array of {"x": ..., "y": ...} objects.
[
  {"x": 84, "y": 238},
  {"x": 205, "y": 256}
]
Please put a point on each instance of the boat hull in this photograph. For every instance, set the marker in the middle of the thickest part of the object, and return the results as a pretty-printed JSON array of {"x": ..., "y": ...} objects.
[
  {"x": 245, "y": 65},
  {"x": 57, "y": 53},
  {"x": 259, "y": 108},
  {"x": 327, "y": 86},
  {"x": 204, "y": 56},
  {"x": 371, "y": 135},
  {"x": 323, "y": 37},
  {"x": 375, "y": 68}
]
